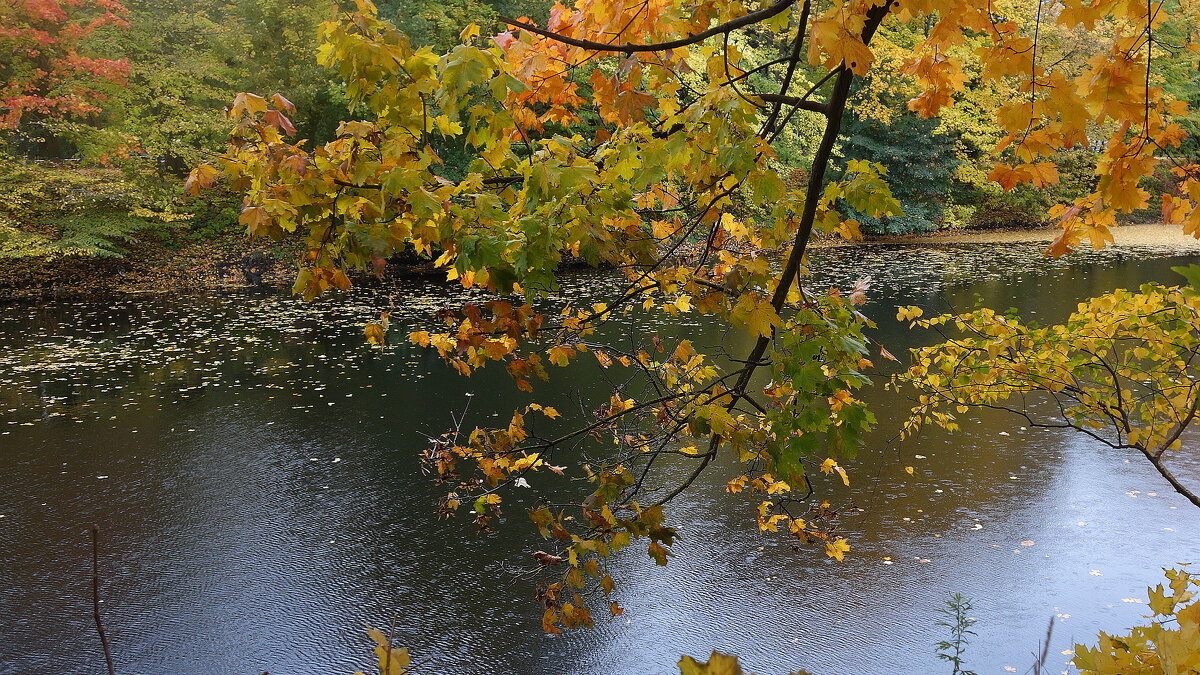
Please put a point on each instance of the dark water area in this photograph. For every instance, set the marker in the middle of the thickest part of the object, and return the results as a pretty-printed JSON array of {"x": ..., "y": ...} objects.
[{"x": 252, "y": 463}]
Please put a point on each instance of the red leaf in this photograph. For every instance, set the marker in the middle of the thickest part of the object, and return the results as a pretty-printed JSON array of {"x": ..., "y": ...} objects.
[{"x": 277, "y": 120}]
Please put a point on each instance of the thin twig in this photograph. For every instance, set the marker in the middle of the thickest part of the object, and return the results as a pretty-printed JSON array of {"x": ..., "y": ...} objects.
[
  {"x": 108, "y": 661},
  {"x": 1041, "y": 662}
]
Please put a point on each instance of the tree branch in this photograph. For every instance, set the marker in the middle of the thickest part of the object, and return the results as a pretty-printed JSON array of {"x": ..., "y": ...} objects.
[
  {"x": 728, "y": 26},
  {"x": 797, "y": 47},
  {"x": 1156, "y": 460},
  {"x": 802, "y": 103}
]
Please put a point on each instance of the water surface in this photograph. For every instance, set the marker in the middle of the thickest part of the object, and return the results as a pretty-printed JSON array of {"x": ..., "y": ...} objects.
[{"x": 252, "y": 465}]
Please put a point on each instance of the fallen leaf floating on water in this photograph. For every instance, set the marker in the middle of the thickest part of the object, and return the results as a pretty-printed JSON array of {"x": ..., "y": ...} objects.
[{"x": 546, "y": 559}]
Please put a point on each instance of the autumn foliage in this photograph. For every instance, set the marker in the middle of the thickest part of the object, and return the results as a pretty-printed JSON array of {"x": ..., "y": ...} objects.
[
  {"x": 635, "y": 137},
  {"x": 1121, "y": 369},
  {"x": 43, "y": 70},
  {"x": 1168, "y": 644}
]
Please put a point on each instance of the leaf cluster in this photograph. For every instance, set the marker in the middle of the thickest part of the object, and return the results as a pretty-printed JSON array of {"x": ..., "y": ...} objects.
[{"x": 1170, "y": 644}]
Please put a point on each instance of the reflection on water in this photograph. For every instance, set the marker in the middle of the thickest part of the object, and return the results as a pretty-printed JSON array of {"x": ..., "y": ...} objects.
[{"x": 252, "y": 465}]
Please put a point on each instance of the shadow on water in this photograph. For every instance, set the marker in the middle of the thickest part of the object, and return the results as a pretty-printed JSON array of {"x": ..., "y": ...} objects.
[{"x": 253, "y": 465}]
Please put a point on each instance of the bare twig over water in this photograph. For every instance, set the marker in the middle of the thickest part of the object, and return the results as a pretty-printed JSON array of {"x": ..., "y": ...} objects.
[
  {"x": 1040, "y": 665},
  {"x": 96, "y": 599}
]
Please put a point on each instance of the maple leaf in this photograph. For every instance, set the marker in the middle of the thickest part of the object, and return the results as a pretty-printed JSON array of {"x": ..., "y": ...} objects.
[
  {"x": 276, "y": 119},
  {"x": 281, "y": 103},
  {"x": 831, "y": 466},
  {"x": 248, "y": 104},
  {"x": 256, "y": 219},
  {"x": 757, "y": 315},
  {"x": 560, "y": 355},
  {"x": 1040, "y": 174},
  {"x": 201, "y": 178},
  {"x": 375, "y": 333},
  {"x": 837, "y": 549},
  {"x": 717, "y": 664},
  {"x": 840, "y": 44},
  {"x": 1009, "y": 176}
]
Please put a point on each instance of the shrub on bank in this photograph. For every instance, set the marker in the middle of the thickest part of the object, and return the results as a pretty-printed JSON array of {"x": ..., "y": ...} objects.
[
  {"x": 51, "y": 210},
  {"x": 1022, "y": 208}
]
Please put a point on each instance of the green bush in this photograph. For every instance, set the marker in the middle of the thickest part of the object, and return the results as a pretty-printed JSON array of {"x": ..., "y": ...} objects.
[
  {"x": 1076, "y": 175},
  {"x": 1023, "y": 207},
  {"x": 53, "y": 210}
]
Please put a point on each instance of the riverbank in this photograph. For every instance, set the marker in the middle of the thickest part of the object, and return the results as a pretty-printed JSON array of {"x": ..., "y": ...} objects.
[
  {"x": 226, "y": 262},
  {"x": 230, "y": 263}
]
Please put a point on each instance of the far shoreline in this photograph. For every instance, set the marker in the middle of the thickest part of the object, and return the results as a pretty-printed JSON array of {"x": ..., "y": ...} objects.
[
  {"x": 220, "y": 266},
  {"x": 1153, "y": 235}
]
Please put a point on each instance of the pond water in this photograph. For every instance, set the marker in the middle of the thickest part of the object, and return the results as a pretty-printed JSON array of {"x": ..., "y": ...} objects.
[{"x": 252, "y": 465}]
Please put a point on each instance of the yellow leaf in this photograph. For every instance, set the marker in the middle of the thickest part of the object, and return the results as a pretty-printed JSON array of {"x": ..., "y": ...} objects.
[
  {"x": 758, "y": 316},
  {"x": 837, "y": 549},
  {"x": 374, "y": 333},
  {"x": 561, "y": 356},
  {"x": 830, "y": 466},
  {"x": 736, "y": 485},
  {"x": 469, "y": 32},
  {"x": 717, "y": 664},
  {"x": 200, "y": 178}
]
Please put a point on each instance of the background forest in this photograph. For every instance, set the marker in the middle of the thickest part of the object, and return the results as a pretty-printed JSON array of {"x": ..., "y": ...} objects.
[{"x": 91, "y": 180}]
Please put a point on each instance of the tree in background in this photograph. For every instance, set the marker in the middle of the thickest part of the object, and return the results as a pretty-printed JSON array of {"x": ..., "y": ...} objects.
[
  {"x": 1181, "y": 72},
  {"x": 921, "y": 163},
  {"x": 635, "y": 137},
  {"x": 182, "y": 67},
  {"x": 185, "y": 61},
  {"x": 45, "y": 73},
  {"x": 276, "y": 45}
]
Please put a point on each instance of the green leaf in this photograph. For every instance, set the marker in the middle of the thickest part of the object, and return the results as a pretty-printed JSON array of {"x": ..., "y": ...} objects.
[{"x": 1191, "y": 273}]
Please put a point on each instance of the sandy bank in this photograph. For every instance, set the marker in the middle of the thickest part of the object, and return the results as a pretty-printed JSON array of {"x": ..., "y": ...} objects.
[{"x": 1155, "y": 235}]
